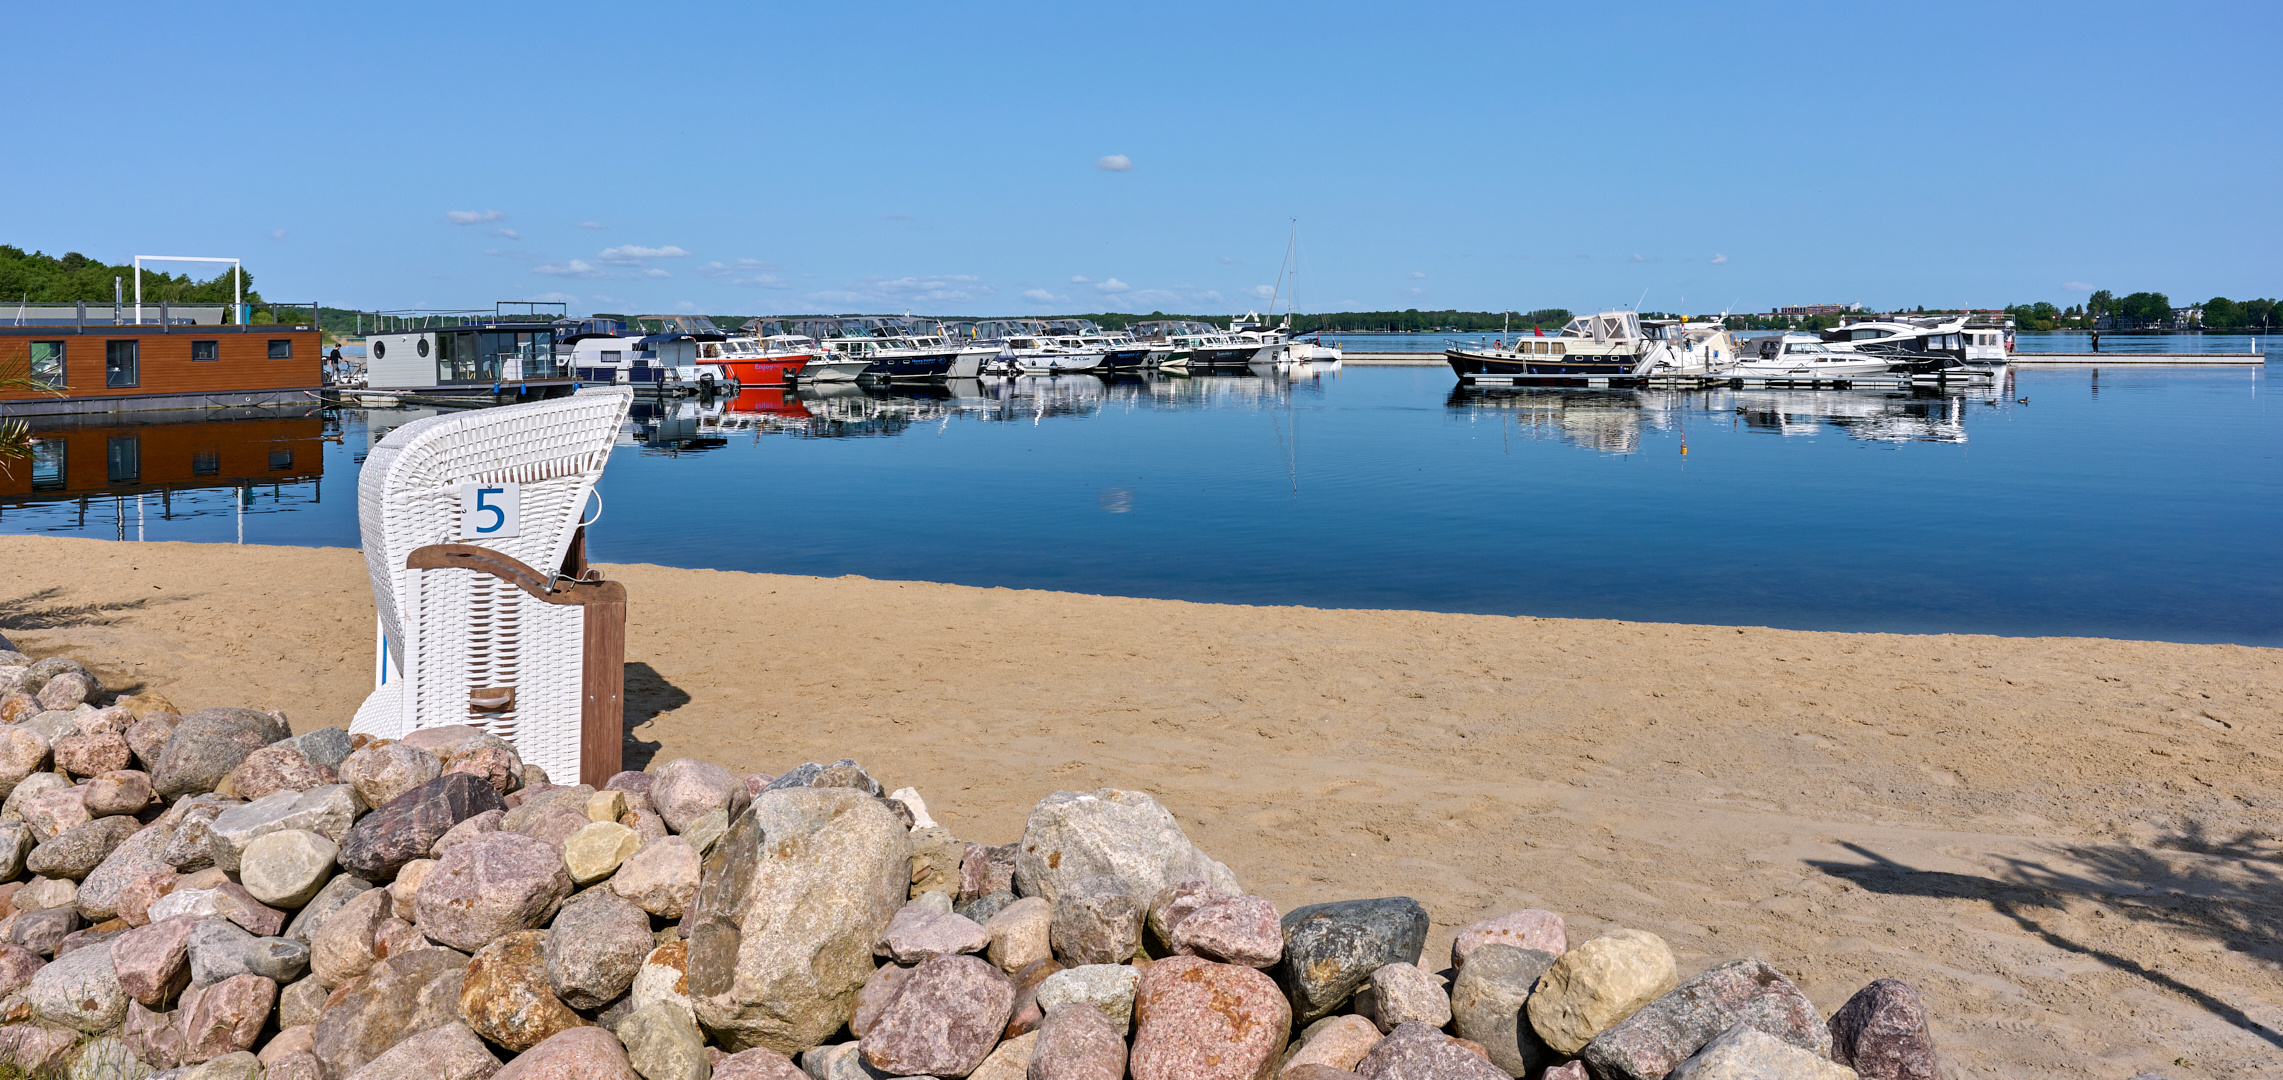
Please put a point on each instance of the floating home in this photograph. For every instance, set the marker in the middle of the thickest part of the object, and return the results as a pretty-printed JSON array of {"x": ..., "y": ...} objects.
[
  {"x": 104, "y": 362},
  {"x": 91, "y": 459},
  {"x": 500, "y": 355}
]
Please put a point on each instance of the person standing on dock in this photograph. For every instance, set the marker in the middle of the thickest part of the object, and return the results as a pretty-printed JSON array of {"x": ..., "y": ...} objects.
[{"x": 2096, "y": 341}]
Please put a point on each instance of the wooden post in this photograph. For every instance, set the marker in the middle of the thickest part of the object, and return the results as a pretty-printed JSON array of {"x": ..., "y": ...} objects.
[{"x": 602, "y": 710}]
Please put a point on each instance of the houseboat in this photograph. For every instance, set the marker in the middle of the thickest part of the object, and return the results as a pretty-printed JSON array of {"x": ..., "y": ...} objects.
[
  {"x": 100, "y": 361},
  {"x": 497, "y": 355}
]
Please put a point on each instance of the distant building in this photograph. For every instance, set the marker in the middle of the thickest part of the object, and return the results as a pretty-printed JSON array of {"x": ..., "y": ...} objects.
[
  {"x": 2185, "y": 317},
  {"x": 1819, "y": 309}
]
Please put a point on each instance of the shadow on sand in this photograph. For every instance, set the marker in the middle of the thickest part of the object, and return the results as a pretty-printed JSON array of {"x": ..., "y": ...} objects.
[
  {"x": 2228, "y": 890},
  {"x": 648, "y": 694}
]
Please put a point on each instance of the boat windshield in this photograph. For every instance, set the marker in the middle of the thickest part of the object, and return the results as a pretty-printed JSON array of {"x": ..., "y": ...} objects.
[{"x": 1804, "y": 347}]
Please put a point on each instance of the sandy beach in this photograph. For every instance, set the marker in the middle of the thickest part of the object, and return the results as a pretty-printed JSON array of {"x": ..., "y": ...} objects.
[{"x": 2069, "y": 846}]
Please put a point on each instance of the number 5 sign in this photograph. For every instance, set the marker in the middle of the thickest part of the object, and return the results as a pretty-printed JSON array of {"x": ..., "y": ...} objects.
[{"x": 491, "y": 511}]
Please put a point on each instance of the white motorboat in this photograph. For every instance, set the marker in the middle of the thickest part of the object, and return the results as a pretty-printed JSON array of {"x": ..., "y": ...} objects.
[{"x": 1806, "y": 358}]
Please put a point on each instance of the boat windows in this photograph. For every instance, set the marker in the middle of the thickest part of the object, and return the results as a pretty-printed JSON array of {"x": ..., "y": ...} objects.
[
  {"x": 281, "y": 348},
  {"x": 206, "y": 463},
  {"x": 122, "y": 363},
  {"x": 1804, "y": 347},
  {"x": 47, "y": 362},
  {"x": 202, "y": 351},
  {"x": 1560, "y": 348},
  {"x": 281, "y": 460}
]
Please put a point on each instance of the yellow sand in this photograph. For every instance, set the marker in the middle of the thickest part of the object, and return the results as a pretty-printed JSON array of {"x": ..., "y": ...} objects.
[{"x": 2071, "y": 843}]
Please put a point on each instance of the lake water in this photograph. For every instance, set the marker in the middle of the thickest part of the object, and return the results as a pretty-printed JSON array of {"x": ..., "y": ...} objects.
[{"x": 2138, "y": 503}]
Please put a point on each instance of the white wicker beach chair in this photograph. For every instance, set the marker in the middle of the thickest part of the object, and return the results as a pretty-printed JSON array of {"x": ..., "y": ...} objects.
[{"x": 459, "y": 647}]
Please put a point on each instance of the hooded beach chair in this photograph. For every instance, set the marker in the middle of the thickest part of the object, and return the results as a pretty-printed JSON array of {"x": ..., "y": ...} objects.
[{"x": 486, "y": 630}]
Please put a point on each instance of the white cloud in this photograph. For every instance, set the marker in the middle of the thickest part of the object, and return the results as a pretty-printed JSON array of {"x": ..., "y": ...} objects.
[
  {"x": 654, "y": 272},
  {"x": 898, "y": 292},
  {"x": 1720, "y": 260},
  {"x": 685, "y": 305},
  {"x": 578, "y": 268},
  {"x": 1115, "y": 163},
  {"x": 600, "y": 298},
  {"x": 1416, "y": 275},
  {"x": 1113, "y": 287},
  {"x": 1635, "y": 257},
  {"x": 2078, "y": 286},
  {"x": 1264, "y": 292},
  {"x": 554, "y": 298},
  {"x": 1080, "y": 279},
  {"x": 473, "y": 217},
  {"x": 277, "y": 234},
  {"x": 634, "y": 254},
  {"x": 749, "y": 273},
  {"x": 497, "y": 253},
  {"x": 506, "y": 233},
  {"x": 1042, "y": 296},
  {"x": 590, "y": 224},
  {"x": 1412, "y": 292},
  {"x": 1226, "y": 261}
]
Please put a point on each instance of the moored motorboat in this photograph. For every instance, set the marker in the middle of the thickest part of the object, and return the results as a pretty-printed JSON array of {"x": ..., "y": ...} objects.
[
  {"x": 1607, "y": 345},
  {"x": 1804, "y": 358}
]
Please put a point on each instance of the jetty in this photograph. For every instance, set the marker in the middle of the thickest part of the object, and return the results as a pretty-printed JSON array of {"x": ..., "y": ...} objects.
[{"x": 2138, "y": 359}]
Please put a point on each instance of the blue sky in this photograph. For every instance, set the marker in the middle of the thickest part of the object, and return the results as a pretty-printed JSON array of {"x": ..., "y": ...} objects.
[{"x": 750, "y": 158}]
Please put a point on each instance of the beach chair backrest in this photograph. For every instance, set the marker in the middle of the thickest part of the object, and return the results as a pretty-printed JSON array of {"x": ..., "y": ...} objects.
[{"x": 447, "y": 633}]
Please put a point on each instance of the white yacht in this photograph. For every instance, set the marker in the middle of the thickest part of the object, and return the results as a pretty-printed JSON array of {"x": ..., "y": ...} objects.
[
  {"x": 1929, "y": 346},
  {"x": 1031, "y": 346},
  {"x": 1806, "y": 358}
]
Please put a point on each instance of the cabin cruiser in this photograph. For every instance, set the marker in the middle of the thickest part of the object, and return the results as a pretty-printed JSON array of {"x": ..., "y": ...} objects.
[
  {"x": 880, "y": 342},
  {"x": 1928, "y": 346},
  {"x": 1120, "y": 352},
  {"x": 1806, "y": 358},
  {"x": 1032, "y": 346},
  {"x": 769, "y": 358},
  {"x": 1311, "y": 351},
  {"x": 971, "y": 354},
  {"x": 1249, "y": 340},
  {"x": 1610, "y": 344},
  {"x": 1170, "y": 340},
  {"x": 667, "y": 359},
  {"x": 1688, "y": 348}
]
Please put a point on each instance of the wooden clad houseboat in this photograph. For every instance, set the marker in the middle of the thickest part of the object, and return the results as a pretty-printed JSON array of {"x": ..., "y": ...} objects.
[{"x": 106, "y": 364}]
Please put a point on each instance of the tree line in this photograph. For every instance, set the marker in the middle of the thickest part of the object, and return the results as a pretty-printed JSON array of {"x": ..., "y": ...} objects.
[
  {"x": 2144, "y": 309},
  {"x": 38, "y": 278}
]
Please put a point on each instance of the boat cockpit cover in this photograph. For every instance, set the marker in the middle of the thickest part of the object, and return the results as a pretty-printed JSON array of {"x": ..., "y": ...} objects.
[{"x": 1606, "y": 326}]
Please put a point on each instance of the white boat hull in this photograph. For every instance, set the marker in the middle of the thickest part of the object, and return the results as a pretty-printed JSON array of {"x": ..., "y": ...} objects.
[{"x": 833, "y": 369}]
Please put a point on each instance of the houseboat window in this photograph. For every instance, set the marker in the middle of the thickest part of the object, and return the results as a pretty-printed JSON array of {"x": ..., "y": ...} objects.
[
  {"x": 48, "y": 458},
  {"x": 281, "y": 348},
  {"x": 205, "y": 350},
  {"x": 47, "y": 362},
  {"x": 122, "y": 363},
  {"x": 206, "y": 463},
  {"x": 380, "y": 349},
  {"x": 125, "y": 455},
  {"x": 281, "y": 460},
  {"x": 420, "y": 347},
  {"x": 613, "y": 357}
]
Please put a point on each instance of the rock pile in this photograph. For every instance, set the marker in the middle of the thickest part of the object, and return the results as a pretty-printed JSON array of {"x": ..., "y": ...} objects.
[{"x": 206, "y": 896}]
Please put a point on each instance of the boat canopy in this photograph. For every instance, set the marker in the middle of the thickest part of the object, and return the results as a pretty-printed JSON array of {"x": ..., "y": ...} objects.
[{"x": 1605, "y": 326}]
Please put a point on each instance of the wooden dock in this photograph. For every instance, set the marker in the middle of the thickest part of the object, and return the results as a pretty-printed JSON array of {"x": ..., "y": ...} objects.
[{"x": 1392, "y": 359}]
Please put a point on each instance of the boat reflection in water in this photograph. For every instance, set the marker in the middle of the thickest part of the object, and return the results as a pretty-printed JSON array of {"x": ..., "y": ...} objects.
[
  {"x": 166, "y": 466},
  {"x": 1613, "y": 421},
  {"x": 843, "y": 410}
]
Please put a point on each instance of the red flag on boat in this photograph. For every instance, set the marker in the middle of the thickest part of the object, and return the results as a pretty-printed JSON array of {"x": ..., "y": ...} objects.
[{"x": 1538, "y": 332}]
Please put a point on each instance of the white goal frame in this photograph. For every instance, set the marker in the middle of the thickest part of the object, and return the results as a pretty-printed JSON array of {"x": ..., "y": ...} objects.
[{"x": 237, "y": 282}]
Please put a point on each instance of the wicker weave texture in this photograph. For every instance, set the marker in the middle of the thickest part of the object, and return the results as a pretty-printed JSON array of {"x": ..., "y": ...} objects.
[{"x": 452, "y": 632}]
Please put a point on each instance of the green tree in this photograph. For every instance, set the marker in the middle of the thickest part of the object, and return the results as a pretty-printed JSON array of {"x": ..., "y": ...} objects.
[{"x": 2145, "y": 308}]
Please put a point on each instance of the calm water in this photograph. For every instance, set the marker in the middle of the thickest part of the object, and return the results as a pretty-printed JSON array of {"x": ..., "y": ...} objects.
[{"x": 2129, "y": 503}]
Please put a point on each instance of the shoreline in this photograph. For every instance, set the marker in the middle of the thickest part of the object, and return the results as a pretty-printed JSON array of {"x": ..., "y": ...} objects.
[{"x": 2065, "y": 843}]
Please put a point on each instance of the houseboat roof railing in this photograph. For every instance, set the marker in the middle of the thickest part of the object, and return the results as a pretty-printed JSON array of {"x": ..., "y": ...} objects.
[{"x": 403, "y": 320}]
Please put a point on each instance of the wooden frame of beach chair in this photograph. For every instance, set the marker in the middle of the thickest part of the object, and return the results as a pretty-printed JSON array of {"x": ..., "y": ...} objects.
[{"x": 499, "y": 650}]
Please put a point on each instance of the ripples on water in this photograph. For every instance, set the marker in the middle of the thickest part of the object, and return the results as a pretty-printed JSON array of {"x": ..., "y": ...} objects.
[{"x": 2127, "y": 502}]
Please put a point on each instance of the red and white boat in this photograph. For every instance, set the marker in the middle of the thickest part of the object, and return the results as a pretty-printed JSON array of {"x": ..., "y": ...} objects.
[{"x": 775, "y": 360}]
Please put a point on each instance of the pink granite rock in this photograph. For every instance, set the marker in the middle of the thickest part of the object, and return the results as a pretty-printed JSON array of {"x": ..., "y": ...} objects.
[
  {"x": 1316, "y": 1072},
  {"x": 1571, "y": 1070},
  {"x": 381, "y": 773},
  {"x": 1881, "y": 1033},
  {"x": 1232, "y": 930},
  {"x": 341, "y": 947},
  {"x": 920, "y": 933},
  {"x": 878, "y": 992},
  {"x": 17, "y": 966},
  {"x": 495, "y": 765},
  {"x": 1198, "y": 1020},
  {"x": 1176, "y": 902},
  {"x": 277, "y": 767},
  {"x": 140, "y": 892},
  {"x": 1414, "y": 1051},
  {"x": 595, "y": 948},
  {"x": 66, "y": 691},
  {"x": 647, "y": 825},
  {"x": 444, "y": 1052},
  {"x": 944, "y": 1021},
  {"x": 52, "y": 813},
  {"x": 586, "y": 1053},
  {"x": 1339, "y": 1043},
  {"x": 1076, "y": 1042},
  {"x": 556, "y": 824},
  {"x": 759, "y": 1063},
  {"x": 92, "y": 755},
  {"x": 660, "y": 877},
  {"x": 687, "y": 789},
  {"x": 224, "y": 1018},
  {"x": 120, "y": 791},
  {"x": 401, "y": 996},
  {"x": 492, "y": 885},
  {"x": 38, "y": 1051},
  {"x": 488, "y": 821},
  {"x": 1529, "y": 928},
  {"x": 153, "y": 961}
]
